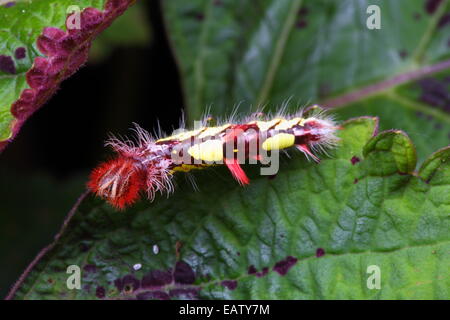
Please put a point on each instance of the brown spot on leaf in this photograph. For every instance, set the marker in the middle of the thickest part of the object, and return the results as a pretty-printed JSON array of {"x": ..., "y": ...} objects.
[
  {"x": 252, "y": 270},
  {"x": 229, "y": 284},
  {"x": 434, "y": 92},
  {"x": 263, "y": 272},
  {"x": 354, "y": 160},
  {"x": 183, "y": 273},
  {"x": 7, "y": 64},
  {"x": 320, "y": 252},
  {"x": 283, "y": 266},
  {"x": 156, "y": 278},
  {"x": 20, "y": 53},
  {"x": 127, "y": 284}
]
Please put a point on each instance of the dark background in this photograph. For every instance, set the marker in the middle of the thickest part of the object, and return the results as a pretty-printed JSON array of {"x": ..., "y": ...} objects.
[{"x": 63, "y": 141}]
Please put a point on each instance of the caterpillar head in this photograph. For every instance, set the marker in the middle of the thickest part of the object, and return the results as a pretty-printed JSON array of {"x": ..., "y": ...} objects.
[{"x": 119, "y": 181}]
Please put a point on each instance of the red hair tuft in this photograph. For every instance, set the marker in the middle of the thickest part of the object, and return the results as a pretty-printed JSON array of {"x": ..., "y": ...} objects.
[{"x": 119, "y": 181}]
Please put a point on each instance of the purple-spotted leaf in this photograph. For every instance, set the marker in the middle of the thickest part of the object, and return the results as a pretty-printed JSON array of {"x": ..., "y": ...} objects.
[
  {"x": 42, "y": 43},
  {"x": 359, "y": 225}
]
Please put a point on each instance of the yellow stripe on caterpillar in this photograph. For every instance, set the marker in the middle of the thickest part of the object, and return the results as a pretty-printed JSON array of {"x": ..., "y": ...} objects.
[
  {"x": 266, "y": 125},
  {"x": 279, "y": 141},
  {"x": 288, "y": 124},
  {"x": 212, "y": 131},
  {"x": 210, "y": 150}
]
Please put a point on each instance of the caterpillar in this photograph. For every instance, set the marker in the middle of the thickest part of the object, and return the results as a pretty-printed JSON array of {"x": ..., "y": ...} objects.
[{"x": 148, "y": 164}]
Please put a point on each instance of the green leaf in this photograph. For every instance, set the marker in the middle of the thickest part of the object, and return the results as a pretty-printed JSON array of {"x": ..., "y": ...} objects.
[
  {"x": 318, "y": 51},
  {"x": 315, "y": 231},
  {"x": 38, "y": 51},
  {"x": 401, "y": 154}
]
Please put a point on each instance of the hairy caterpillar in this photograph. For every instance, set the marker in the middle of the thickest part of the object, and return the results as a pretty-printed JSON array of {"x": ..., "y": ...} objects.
[{"x": 148, "y": 164}]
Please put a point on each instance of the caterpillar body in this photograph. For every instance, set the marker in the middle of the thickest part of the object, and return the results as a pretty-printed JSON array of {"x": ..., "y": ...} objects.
[{"x": 148, "y": 164}]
